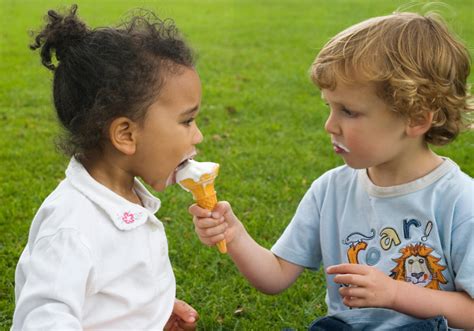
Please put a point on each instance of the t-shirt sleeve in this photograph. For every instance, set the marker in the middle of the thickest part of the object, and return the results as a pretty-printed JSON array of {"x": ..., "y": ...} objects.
[
  {"x": 55, "y": 272},
  {"x": 462, "y": 251},
  {"x": 299, "y": 243}
]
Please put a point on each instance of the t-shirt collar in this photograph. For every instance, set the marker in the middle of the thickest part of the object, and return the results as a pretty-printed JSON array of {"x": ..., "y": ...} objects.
[
  {"x": 124, "y": 214},
  {"x": 416, "y": 185}
]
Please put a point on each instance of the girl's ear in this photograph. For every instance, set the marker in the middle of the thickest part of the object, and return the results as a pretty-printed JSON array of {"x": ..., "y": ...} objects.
[
  {"x": 123, "y": 135},
  {"x": 420, "y": 125}
]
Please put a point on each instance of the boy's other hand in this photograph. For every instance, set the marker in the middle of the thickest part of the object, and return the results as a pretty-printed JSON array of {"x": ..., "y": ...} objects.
[
  {"x": 368, "y": 286},
  {"x": 212, "y": 227}
]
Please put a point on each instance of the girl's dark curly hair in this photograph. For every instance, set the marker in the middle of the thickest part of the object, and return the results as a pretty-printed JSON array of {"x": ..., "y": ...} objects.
[{"x": 105, "y": 73}]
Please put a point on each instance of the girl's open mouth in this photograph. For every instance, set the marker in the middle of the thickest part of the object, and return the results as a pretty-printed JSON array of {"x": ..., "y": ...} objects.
[
  {"x": 181, "y": 164},
  {"x": 172, "y": 179}
]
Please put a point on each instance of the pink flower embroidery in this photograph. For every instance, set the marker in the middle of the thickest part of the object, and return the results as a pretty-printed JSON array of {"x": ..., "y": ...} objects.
[{"x": 128, "y": 217}]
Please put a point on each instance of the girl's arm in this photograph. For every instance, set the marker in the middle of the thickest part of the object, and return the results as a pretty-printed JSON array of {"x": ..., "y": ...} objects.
[
  {"x": 265, "y": 271},
  {"x": 369, "y": 287},
  {"x": 54, "y": 275}
]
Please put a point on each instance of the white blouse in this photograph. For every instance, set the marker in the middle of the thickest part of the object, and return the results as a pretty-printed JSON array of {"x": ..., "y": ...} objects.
[{"x": 94, "y": 260}]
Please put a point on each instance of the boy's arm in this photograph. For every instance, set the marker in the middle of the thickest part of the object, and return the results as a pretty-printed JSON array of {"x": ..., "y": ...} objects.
[
  {"x": 456, "y": 307},
  {"x": 369, "y": 287},
  {"x": 265, "y": 271}
]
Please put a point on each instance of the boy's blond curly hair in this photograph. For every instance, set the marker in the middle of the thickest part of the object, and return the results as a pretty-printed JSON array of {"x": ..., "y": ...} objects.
[{"x": 417, "y": 64}]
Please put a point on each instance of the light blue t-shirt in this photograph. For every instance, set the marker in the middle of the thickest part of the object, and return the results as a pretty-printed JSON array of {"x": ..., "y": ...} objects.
[{"x": 421, "y": 232}]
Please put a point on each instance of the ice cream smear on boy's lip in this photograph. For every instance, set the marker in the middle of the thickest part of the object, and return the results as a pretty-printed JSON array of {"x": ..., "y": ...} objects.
[
  {"x": 340, "y": 148},
  {"x": 194, "y": 170}
]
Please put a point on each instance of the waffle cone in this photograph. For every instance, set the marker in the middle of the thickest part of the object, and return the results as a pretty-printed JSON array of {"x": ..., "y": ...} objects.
[
  {"x": 205, "y": 196},
  {"x": 207, "y": 202}
]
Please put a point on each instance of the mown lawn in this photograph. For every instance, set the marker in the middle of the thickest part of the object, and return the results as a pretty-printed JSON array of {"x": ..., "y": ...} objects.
[{"x": 261, "y": 117}]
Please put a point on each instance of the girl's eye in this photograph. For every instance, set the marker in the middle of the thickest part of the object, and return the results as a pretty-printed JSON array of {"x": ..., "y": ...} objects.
[{"x": 188, "y": 122}]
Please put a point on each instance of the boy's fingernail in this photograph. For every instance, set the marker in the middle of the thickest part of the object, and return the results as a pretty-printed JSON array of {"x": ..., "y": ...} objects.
[{"x": 215, "y": 215}]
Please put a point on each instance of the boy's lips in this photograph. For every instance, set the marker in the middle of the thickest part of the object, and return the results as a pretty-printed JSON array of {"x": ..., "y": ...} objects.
[{"x": 339, "y": 148}]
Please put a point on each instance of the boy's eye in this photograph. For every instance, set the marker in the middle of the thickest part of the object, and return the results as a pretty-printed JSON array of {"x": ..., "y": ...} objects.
[{"x": 348, "y": 112}]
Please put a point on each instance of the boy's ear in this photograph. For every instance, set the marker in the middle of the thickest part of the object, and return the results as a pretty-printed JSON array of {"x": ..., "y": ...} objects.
[
  {"x": 123, "y": 135},
  {"x": 420, "y": 125}
]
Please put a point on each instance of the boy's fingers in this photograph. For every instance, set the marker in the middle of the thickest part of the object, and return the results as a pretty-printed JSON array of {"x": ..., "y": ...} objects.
[
  {"x": 353, "y": 292},
  {"x": 195, "y": 210},
  {"x": 208, "y": 227},
  {"x": 217, "y": 238},
  {"x": 214, "y": 231},
  {"x": 347, "y": 268},
  {"x": 350, "y": 279},
  {"x": 204, "y": 223},
  {"x": 222, "y": 208}
]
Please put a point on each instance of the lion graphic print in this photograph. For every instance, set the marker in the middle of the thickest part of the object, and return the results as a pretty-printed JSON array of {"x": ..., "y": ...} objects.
[
  {"x": 418, "y": 266},
  {"x": 415, "y": 263}
]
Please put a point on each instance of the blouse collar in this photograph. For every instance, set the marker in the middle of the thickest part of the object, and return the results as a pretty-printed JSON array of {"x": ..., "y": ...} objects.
[{"x": 124, "y": 214}]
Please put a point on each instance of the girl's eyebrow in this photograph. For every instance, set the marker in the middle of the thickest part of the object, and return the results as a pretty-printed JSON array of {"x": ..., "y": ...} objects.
[{"x": 190, "y": 111}]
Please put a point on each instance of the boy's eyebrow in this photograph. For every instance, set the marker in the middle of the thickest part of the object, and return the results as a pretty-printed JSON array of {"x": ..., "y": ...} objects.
[{"x": 190, "y": 111}]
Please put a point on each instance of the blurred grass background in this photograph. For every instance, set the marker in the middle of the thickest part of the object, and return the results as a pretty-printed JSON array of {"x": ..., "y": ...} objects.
[{"x": 261, "y": 117}]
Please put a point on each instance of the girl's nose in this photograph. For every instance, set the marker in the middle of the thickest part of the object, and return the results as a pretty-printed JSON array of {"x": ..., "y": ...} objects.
[{"x": 198, "y": 137}]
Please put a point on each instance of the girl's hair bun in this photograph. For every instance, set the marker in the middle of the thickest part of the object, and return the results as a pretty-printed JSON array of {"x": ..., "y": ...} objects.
[{"x": 61, "y": 34}]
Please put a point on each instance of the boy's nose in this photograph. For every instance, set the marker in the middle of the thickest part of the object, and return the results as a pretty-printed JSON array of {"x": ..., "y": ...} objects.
[{"x": 331, "y": 126}]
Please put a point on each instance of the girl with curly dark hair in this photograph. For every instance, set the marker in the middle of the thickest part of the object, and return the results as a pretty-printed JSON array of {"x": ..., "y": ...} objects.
[{"x": 97, "y": 256}]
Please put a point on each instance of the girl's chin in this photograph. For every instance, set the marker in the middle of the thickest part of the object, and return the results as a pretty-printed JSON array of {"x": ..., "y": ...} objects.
[
  {"x": 171, "y": 180},
  {"x": 160, "y": 187}
]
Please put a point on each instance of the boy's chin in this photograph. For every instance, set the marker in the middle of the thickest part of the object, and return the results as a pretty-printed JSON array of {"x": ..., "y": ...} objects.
[{"x": 354, "y": 165}]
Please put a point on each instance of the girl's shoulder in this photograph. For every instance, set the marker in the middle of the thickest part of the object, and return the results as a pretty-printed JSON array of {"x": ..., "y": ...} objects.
[{"x": 65, "y": 209}]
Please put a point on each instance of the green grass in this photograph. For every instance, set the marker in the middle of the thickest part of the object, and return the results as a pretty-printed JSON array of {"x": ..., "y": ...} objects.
[{"x": 263, "y": 122}]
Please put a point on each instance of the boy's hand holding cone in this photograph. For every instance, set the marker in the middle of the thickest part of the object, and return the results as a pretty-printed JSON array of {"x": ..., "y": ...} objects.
[{"x": 198, "y": 178}]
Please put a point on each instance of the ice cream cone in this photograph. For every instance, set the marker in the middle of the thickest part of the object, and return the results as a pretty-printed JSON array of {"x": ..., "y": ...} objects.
[{"x": 205, "y": 195}]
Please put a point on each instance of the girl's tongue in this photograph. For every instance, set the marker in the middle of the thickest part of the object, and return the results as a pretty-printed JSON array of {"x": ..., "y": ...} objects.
[{"x": 172, "y": 178}]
